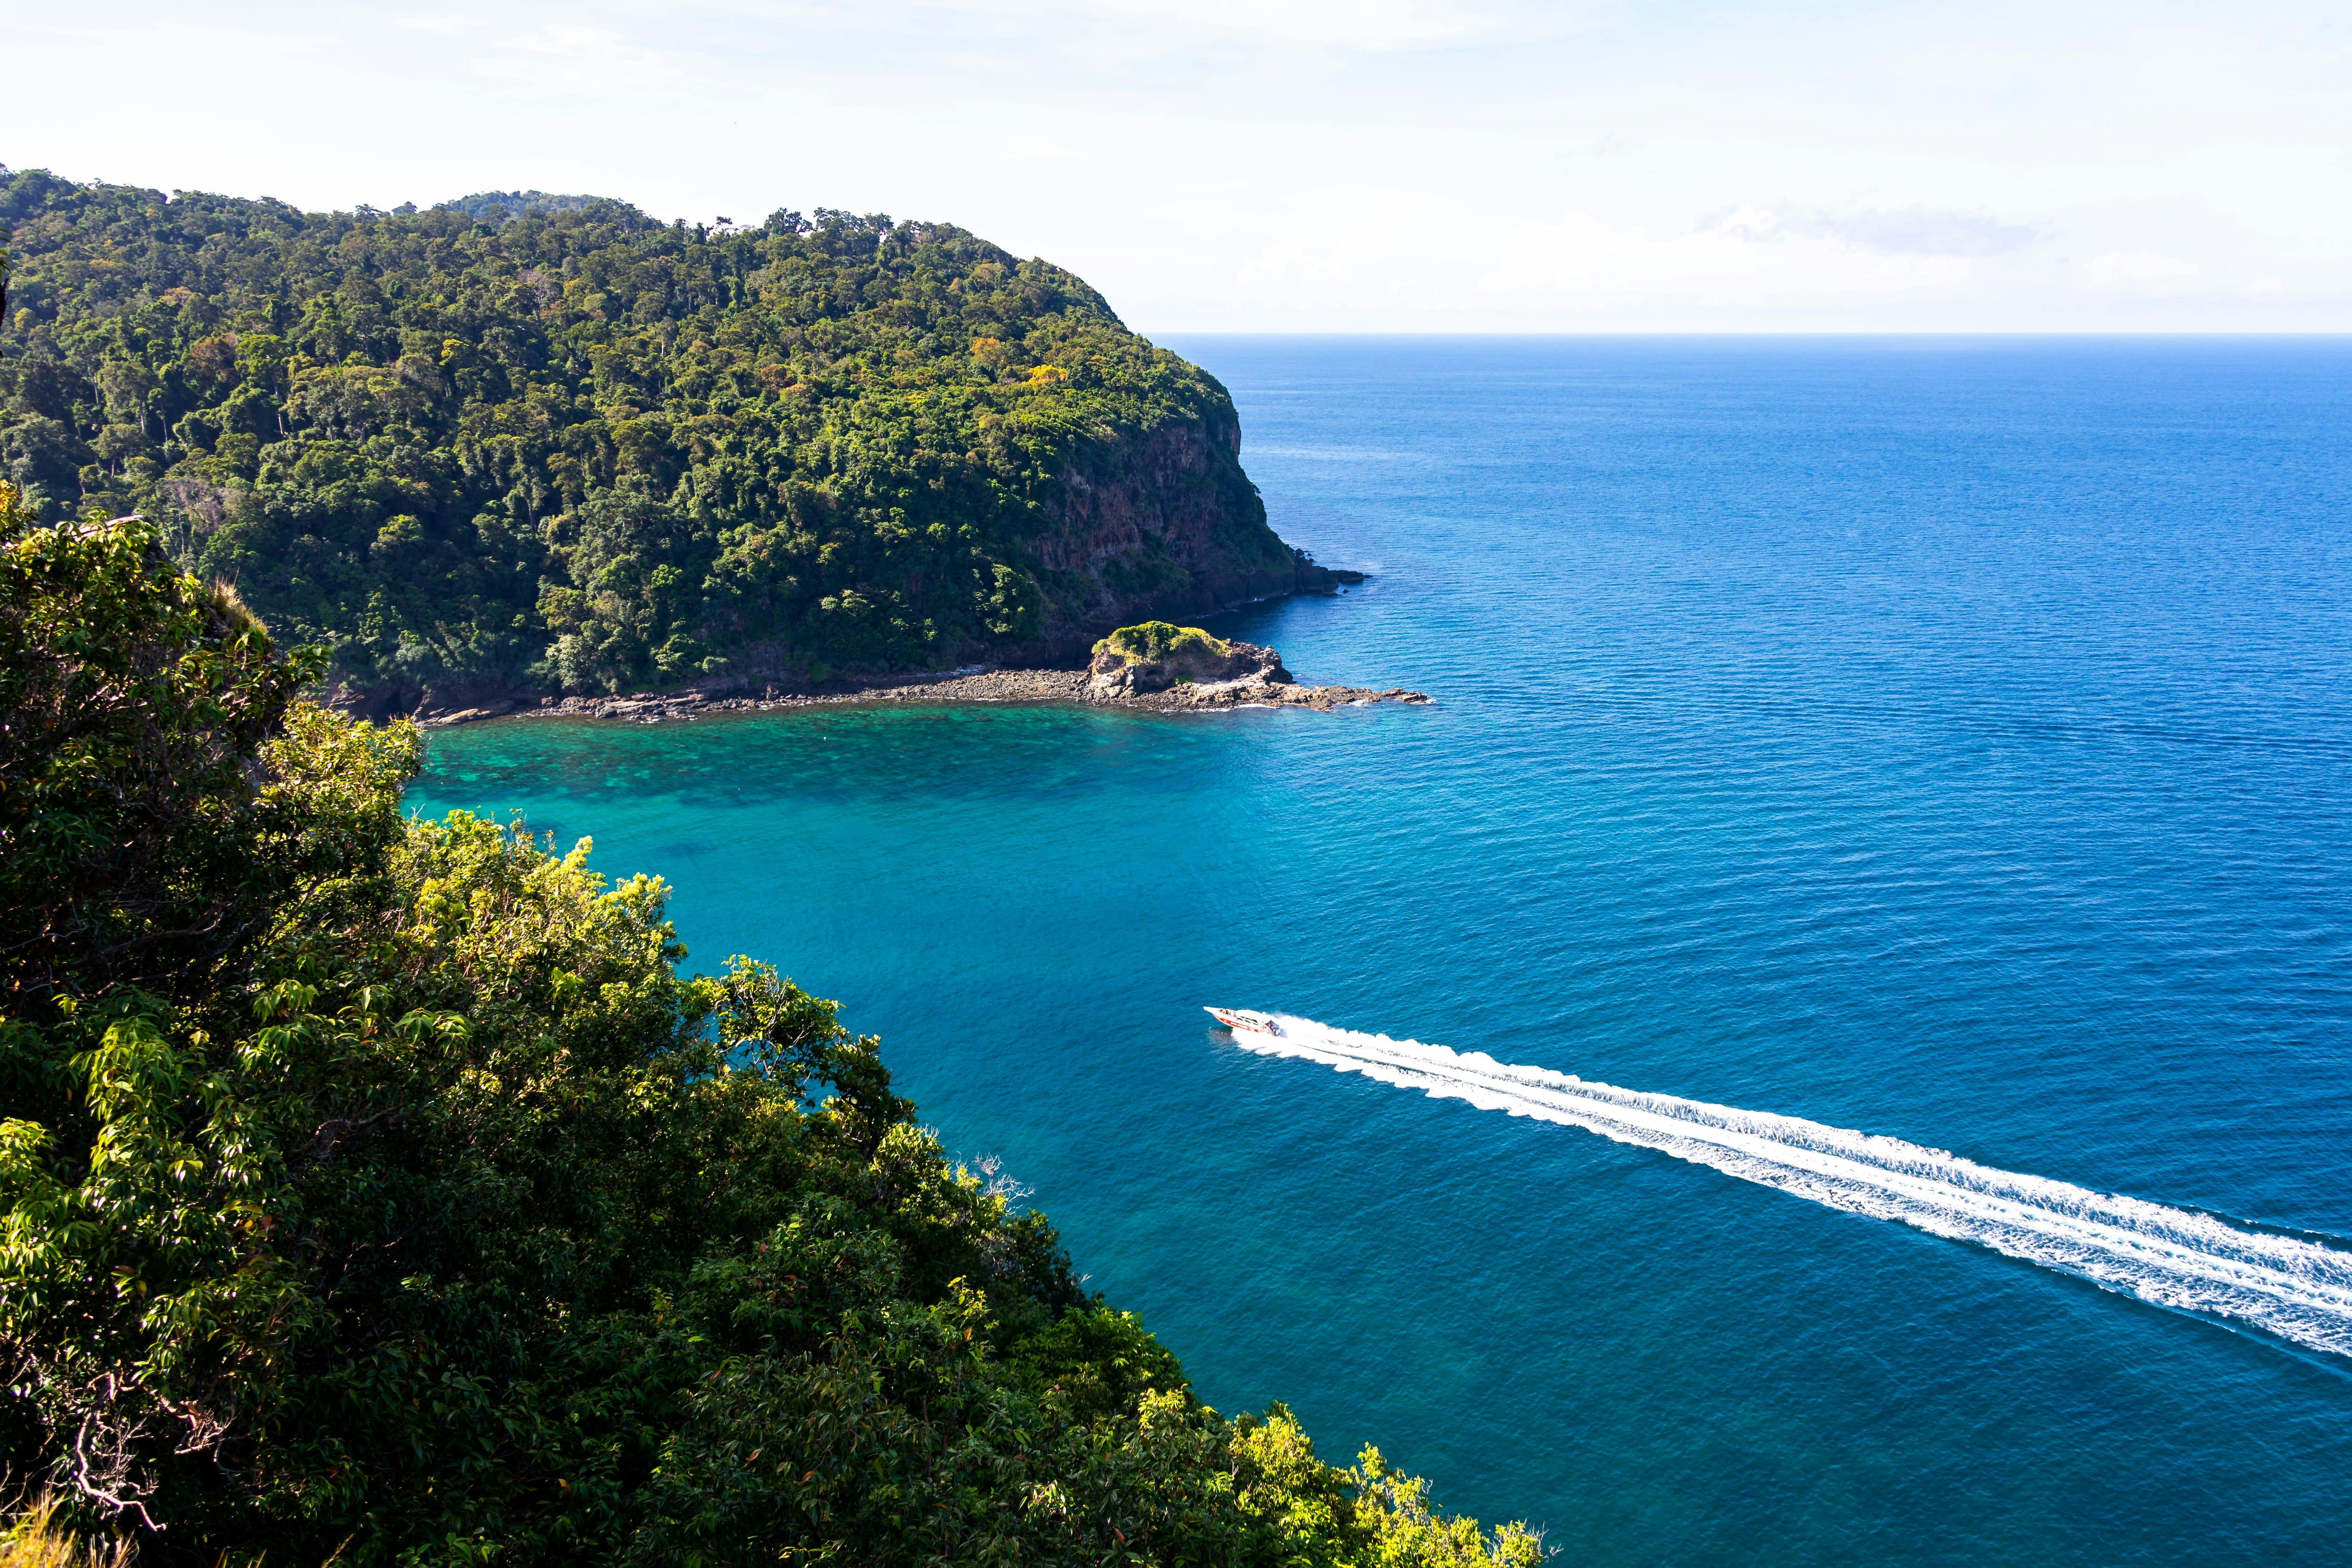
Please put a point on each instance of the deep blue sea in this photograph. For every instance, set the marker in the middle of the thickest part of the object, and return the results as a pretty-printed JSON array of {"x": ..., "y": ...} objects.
[{"x": 1946, "y": 739}]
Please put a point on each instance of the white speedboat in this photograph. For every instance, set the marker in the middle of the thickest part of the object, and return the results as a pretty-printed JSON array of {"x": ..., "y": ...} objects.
[{"x": 1242, "y": 1019}]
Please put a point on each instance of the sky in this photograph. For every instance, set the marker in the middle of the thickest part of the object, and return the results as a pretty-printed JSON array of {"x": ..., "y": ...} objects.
[{"x": 1323, "y": 166}]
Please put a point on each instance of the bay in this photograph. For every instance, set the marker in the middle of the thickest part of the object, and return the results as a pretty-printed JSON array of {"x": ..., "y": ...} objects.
[{"x": 1941, "y": 738}]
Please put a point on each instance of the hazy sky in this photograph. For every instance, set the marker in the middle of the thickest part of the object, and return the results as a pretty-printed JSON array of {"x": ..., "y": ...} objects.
[{"x": 1314, "y": 165}]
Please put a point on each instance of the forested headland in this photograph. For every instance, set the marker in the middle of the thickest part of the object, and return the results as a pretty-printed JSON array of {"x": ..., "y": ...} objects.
[
  {"x": 534, "y": 444},
  {"x": 379, "y": 1190}
]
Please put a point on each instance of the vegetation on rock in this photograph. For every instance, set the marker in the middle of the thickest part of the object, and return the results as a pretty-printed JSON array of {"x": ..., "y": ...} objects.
[
  {"x": 381, "y": 1190},
  {"x": 1156, "y": 655},
  {"x": 1161, "y": 640},
  {"x": 546, "y": 443}
]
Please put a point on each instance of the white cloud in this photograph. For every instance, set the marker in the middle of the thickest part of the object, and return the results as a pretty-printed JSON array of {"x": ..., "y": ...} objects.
[
  {"x": 1582, "y": 257},
  {"x": 2139, "y": 270},
  {"x": 1347, "y": 24},
  {"x": 569, "y": 59},
  {"x": 1912, "y": 231}
]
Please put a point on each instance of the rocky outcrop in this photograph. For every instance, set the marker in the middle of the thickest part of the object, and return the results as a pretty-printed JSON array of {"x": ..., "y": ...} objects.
[
  {"x": 1209, "y": 697},
  {"x": 985, "y": 686},
  {"x": 1155, "y": 656}
]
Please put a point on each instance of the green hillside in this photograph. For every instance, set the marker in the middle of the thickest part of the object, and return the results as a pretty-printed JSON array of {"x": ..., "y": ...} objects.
[{"x": 531, "y": 443}]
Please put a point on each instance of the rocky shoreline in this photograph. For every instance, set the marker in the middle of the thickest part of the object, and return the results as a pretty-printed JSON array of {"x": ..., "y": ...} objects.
[{"x": 949, "y": 686}]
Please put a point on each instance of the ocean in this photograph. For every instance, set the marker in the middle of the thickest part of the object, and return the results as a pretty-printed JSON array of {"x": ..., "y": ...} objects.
[{"x": 1865, "y": 932}]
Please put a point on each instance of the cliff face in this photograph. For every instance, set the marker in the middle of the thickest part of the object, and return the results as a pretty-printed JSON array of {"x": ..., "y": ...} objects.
[{"x": 1163, "y": 523}]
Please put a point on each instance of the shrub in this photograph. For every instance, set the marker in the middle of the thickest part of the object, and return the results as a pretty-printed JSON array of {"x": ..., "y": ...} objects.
[{"x": 1160, "y": 640}]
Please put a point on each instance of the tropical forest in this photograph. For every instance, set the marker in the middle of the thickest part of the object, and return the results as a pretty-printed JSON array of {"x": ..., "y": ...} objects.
[{"x": 533, "y": 443}]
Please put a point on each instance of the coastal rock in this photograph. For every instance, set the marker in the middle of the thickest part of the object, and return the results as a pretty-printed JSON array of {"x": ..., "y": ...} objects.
[
  {"x": 1157, "y": 656},
  {"x": 1153, "y": 665},
  {"x": 1264, "y": 684}
]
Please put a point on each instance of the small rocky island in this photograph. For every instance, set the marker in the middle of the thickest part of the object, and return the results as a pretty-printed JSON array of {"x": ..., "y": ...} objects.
[{"x": 1155, "y": 665}]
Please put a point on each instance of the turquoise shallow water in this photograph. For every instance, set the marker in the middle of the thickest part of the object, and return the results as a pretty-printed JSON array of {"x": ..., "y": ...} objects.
[{"x": 1947, "y": 739}]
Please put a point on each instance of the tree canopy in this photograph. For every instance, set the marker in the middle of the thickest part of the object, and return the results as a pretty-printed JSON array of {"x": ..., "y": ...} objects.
[
  {"x": 379, "y": 1190},
  {"x": 548, "y": 443}
]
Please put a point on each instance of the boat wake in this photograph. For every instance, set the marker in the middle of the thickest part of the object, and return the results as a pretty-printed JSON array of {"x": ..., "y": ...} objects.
[{"x": 2182, "y": 1258}]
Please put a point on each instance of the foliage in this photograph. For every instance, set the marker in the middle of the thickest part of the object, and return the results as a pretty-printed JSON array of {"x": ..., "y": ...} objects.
[
  {"x": 1161, "y": 640},
  {"x": 497, "y": 206},
  {"x": 537, "y": 441},
  {"x": 38, "y": 1539},
  {"x": 427, "y": 1212},
  {"x": 134, "y": 701}
]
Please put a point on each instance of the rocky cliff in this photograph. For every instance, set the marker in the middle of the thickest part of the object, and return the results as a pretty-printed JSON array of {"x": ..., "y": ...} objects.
[{"x": 1163, "y": 523}]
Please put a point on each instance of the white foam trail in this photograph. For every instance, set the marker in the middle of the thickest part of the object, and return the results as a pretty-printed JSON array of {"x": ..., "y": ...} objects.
[{"x": 2195, "y": 1262}]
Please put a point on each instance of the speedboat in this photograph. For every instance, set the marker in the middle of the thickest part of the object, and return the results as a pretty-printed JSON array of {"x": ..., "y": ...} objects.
[{"x": 1242, "y": 1020}]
